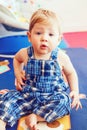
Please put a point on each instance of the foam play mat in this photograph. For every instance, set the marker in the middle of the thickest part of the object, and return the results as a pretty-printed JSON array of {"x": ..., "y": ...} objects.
[
  {"x": 16, "y": 42},
  {"x": 60, "y": 124}
]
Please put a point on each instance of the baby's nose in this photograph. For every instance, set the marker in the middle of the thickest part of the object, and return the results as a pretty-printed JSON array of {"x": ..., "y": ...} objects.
[{"x": 45, "y": 38}]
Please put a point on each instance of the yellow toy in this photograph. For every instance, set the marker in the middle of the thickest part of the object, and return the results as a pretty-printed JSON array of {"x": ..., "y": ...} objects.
[{"x": 60, "y": 124}]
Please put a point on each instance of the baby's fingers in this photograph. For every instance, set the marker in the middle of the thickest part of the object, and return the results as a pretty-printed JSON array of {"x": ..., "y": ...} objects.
[
  {"x": 18, "y": 87},
  {"x": 73, "y": 104},
  {"x": 77, "y": 104},
  {"x": 19, "y": 84}
]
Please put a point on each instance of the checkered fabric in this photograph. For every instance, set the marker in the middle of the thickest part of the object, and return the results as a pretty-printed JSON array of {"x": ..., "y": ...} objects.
[{"x": 44, "y": 93}]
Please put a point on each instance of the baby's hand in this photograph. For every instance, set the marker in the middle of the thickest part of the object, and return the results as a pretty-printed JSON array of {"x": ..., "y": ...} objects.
[
  {"x": 19, "y": 80},
  {"x": 75, "y": 100}
]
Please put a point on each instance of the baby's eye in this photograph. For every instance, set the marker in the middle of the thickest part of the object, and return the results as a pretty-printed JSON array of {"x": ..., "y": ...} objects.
[
  {"x": 38, "y": 33},
  {"x": 51, "y": 34}
]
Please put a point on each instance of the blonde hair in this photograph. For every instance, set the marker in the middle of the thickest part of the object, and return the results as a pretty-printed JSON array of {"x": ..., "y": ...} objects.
[{"x": 44, "y": 16}]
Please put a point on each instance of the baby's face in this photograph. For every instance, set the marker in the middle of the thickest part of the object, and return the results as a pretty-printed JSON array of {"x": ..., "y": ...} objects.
[{"x": 44, "y": 38}]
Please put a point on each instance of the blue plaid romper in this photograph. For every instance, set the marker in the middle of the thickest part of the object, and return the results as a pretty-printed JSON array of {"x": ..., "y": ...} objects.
[{"x": 44, "y": 93}]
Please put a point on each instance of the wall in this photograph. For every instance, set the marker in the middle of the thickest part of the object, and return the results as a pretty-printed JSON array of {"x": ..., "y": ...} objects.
[{"x": 73, "y": 13}]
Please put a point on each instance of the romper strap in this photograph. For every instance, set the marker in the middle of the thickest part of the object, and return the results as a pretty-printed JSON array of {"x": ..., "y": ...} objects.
[
  {"x": 30, "y": 52},
  {"x": 54, "y": 53}
]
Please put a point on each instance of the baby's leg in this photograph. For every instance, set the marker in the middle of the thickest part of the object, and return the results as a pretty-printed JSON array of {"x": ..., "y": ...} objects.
[
  {"x": 2, "y": 125},
  {"x": 31, "y": 121}
]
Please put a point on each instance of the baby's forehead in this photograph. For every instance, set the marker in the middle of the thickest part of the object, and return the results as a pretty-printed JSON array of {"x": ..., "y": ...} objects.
[{"x": 45, "y": 26}]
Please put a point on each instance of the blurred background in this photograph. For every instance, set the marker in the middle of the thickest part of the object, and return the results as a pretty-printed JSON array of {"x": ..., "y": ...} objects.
[
  {"x": 72, "y": 13},
  {"x": 15, "y": 15}
]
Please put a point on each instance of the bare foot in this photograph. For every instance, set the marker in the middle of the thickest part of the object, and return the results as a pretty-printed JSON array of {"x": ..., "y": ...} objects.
[
  {"x": 2, "y": 125},
  {"x": 31, "y": 121},
  {"x": 4, "y": 91}
]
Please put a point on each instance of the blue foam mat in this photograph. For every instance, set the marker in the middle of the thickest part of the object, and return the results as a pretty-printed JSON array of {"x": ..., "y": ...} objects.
[
  {"x": 12, "y": 44},
  {"x": 79, "y": 59}
]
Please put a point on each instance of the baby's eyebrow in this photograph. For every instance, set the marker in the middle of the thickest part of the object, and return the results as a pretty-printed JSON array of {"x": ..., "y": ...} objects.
[{"x": 38, "y": 29}]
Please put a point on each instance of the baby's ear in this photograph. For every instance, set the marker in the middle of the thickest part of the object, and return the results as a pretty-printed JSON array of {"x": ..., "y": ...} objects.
[{"x": 29, "y": 35}]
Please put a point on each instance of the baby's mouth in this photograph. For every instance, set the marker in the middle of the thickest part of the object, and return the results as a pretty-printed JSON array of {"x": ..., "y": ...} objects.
[{"x": 43, "y": 46}]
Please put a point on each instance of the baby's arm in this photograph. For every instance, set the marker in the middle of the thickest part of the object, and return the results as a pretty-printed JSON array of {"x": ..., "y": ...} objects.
[
  {"x": 72, "y": 79},
  {"x": 18, "y": 62}
]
